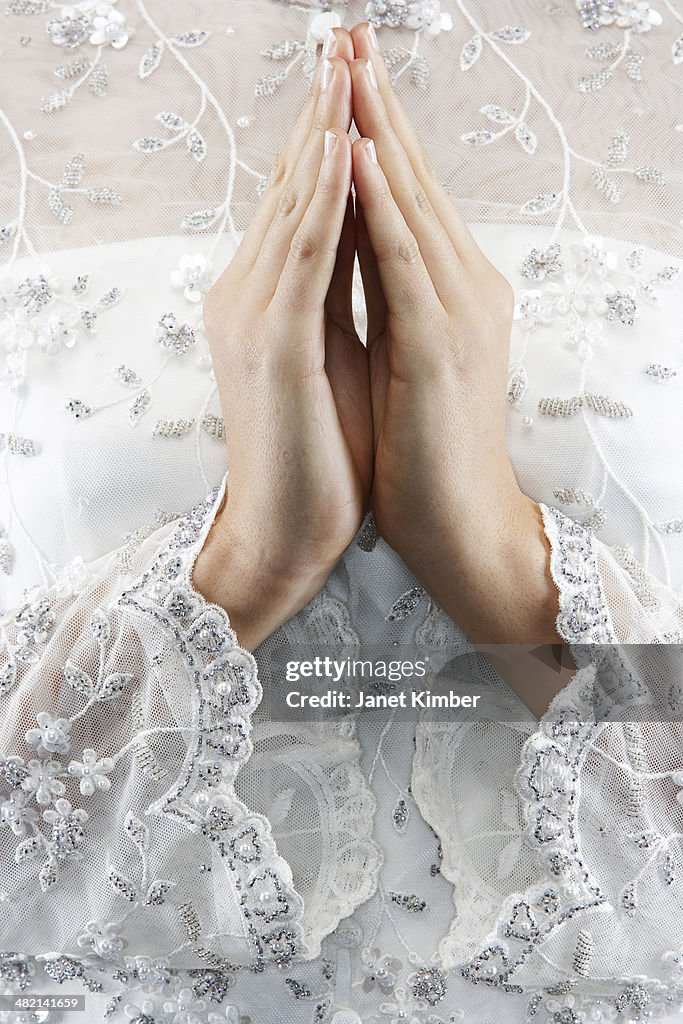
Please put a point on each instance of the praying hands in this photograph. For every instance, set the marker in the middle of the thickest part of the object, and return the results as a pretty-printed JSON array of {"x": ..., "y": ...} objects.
[{"x": 321, "y": 427}]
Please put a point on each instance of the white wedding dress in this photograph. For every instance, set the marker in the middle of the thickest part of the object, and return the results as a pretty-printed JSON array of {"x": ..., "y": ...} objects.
[{"x": 169, "y": 849}]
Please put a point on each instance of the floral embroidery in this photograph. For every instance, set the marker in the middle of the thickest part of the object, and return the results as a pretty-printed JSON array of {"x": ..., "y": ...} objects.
[
  {"x": 102, "y": 939},
  {"x": 39, "y": 314},
  {"x": 109, "y": 28},
  {"x": 636, "y": 15},
  {"x": 192, "y": 275},
  {"x": 92, "y": 772},
  {"x": 52, "y": 734}
]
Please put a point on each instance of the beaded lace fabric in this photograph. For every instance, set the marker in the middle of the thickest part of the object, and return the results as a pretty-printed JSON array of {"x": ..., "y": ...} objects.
[{"x": 166, "y": 848}]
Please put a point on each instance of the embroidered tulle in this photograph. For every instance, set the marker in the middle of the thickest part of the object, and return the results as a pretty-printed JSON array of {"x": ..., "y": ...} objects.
[{"x": 164, "y": 843}]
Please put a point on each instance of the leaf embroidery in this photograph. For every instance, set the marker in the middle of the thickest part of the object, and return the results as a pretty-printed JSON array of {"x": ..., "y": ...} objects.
[
  {"x": 196, "y": 144},
  {"x": 73, "y": 172},
  {"x": 517, "y": 385},
  {"x": 195, "y": 37},
  {"x": 511, "y": 34},
  {"x": 200, "y": 220},
  {"x": 670, "y": 526},
  {"x": 156, "y": 894},
  {"x": 541, "y": 203},
  {"x": 174, "y": 122},
  {"x": 526, "y": 137},
  {"x": 677, "y": 50},
  {"x": 149, "y": 144},
  {"x": 56, "y": 101},
  {"x": 113, "y": 685},
  {"x": 139, "y": 406},
  {"x": 138, "y": 832},
  {"x": 405, "y": 604},
  {"x": 497, "y": 114},
  {"x": 419, "y": 72},
  {"x": 98, "y": 80},
  {"x": 480, "y": 138},
  {"x": 151, "y": 59},
  {"x": 283, "y": 50},
  {"x": 122, "y": 885},
  {"x": 470, "y": 53},
  {"x": 78, "y": 680}
]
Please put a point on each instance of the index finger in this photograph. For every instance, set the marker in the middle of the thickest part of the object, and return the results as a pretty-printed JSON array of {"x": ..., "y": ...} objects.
[
  {"x": 337, "y": 44},
  {"x": 366, "y": 46}
]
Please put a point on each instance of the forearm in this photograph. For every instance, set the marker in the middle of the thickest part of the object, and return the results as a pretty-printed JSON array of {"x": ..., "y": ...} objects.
[{"x": 490, "y": 573}]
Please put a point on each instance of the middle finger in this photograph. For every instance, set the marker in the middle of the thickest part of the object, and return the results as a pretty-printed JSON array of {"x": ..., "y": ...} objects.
[{"x": 337, "y": 44}]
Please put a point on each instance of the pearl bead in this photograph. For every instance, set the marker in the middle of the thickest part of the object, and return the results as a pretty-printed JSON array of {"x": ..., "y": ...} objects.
[
  {"x": 345, "y": 1016},
  {"x": 528, "y": 421},
  {"x": 322, "y": 24},
  {"x": 243, "y": 121},
  {"x": 29, "y": 135}
]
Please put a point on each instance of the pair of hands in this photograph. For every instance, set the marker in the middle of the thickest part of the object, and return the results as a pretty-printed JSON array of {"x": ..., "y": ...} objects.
[{"x": 318, "y": 427}]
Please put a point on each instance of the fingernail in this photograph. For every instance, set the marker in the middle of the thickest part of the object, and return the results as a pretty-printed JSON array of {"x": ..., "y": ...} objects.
[
  {"x": 370, "y": 151},
  {"x": 372, "y": 36},
  {"x": 370, "y": 72},
  {"x": 330, "y": 142},
  {"x": 328, "y": 71},
  {"x": 330, "y": 44}
]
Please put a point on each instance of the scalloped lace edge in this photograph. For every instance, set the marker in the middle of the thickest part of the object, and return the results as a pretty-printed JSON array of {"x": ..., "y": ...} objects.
[
  {"x": 554, "y": 523},
  {"x": 311, "y": 934}
]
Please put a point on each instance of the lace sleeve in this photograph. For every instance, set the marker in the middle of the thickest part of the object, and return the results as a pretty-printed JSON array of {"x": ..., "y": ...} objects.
[
  {"x": 605, "y": 595},
  {"x": 125, "y": 719}
]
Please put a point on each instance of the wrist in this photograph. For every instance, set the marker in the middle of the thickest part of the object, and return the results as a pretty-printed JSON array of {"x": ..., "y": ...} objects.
[
  {"x": 259, "y": 586},
  {"x": 490, "y": 571}
]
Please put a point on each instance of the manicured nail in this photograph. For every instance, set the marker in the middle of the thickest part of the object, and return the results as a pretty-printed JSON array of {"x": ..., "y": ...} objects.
[
  {"x": 372, "y": 36},
  {"x": 330, "y": 142},
  {"x": 328, "y": 71},
  {"x": 370, "y": 151},
  {"x": 370, "y": 72},
  {"x": 330, "y": 44}
]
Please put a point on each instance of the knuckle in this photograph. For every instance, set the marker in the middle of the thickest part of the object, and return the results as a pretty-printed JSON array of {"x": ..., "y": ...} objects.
[
  {"x": 421, "y": 202},
  {"x": 278, "y": 172},
  {"x": 408, "y": 251},
  {"x": 327, "y": 186},
  {"x": 303, "y": 247},
  {"x": 287, "y": 202},
  {"x": 403, "y": 249}
]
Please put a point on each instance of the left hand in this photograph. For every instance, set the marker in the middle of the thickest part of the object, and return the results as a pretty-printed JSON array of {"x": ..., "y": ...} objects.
[{"x": 445, "y": 496}]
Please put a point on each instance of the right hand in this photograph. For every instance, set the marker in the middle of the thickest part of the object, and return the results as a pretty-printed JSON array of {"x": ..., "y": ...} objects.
[{"x": 292, "y": 378}]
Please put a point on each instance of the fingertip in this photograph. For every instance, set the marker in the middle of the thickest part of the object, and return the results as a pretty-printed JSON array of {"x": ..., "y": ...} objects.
[
  {"x": 364, "y": 150},
  {"x": 364, "y": 39},
  {"x": 339, "y": 44}
]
